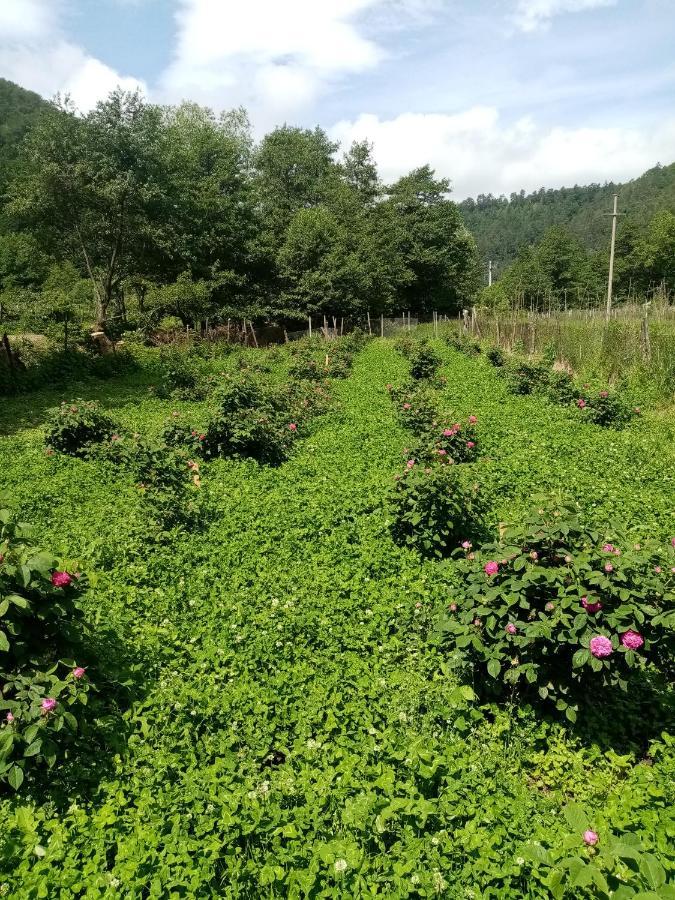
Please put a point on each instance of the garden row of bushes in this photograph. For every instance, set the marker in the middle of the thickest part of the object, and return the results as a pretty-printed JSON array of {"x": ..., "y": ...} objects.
[
  {"x": 553, "y": 612},
  {"x": 599, "y": 404},
  {"x": 42, "y": 630}
]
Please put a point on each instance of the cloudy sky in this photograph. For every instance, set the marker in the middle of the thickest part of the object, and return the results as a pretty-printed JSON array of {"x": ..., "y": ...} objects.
[{"x": 495, "y": 94}]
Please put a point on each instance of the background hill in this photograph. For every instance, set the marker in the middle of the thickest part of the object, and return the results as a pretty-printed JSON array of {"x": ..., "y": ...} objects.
[
  {"x": 501, "y": 225},
  {"x": 19, "y": 109}
]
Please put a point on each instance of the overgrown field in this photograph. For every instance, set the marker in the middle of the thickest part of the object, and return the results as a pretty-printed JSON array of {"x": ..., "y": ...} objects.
[{"x": 274, "y": 714}]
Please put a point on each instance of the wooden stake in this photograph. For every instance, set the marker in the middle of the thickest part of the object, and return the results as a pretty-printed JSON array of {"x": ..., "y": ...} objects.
[
  {"x": 382, "y": 325},
  {"x": 370, "y": 330},
  {"x": 309, "y": 320}
]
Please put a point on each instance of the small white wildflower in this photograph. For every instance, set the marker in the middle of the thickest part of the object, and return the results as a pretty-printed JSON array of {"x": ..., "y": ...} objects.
[
  {"x": 340, "y": 865},
  {"x": 520, "y": 860},
  {"x": 435, "y": 841},
  {"x": 402, "y": 717},
  {"x": 415, "y": 879},
  {"x": 39, "y": 850},
  {"x": 275, "y": 602},
  {"x": 439, "y": 882},
  {"x": 264, "y": 788},
  {"x": 312, "y": 744},
  {"x": 114, "y": 882}
]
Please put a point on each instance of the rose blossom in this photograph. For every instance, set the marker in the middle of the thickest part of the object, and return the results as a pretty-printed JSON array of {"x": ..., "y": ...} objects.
[
  {"x": 293, "y": 427},
  {"x": 658, "y": 570},
  {"x": 609, "y": 567},
  {"x": 448, "y": 432},
  {"x": 591, "y": 607},
  {"x": 78, "y": 672},
  {"x": 604, "y": 394},
  {"x": 9, "y": 718},
  {"x": 549, "y": 606},
  {"x": 608, "y": 548},
  {"x": 473, "y": 420},
  {"x": 581, "y": 403},
  {"x": 466, "y": 544},
  {"x": 590, "y": 838},
  {"x": 406, "y": 406},
  {"x": 453, "y": 607},
  {"x": 491, "y": 568},
  {"x": 470, "y": 445},
  {"x": 48, "y": 705},
  {"x": 410, "y": 463},
  {"x": 61, "y": 579},
  {"x": 632, "y": 640},
  {"x": 442, "y": 452},
  {"x": 511, "y": 628},
  {"x": 600, "y": 646}
]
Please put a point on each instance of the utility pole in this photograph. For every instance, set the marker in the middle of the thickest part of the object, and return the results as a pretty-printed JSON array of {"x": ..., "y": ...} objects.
[
  {"x": 490, "y": 273},
  {"x": 610, "y": 280}
]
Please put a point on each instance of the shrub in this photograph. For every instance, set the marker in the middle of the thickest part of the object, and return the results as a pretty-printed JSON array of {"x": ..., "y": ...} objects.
[
  {"x": 524, "y": 376},
  {"x": 554, "y": 609},
  {"x": 431, "y": 506},
  {"x": 74, "y": 427},
  {"x": 424, "y": 361},
  {"x": 450, "y": 443},
  {"x": 406, "y": 344},
  {"x": 606, "y": 408},
  {"x": 250, "y": 433},
  {"x": 41, "y": 621},
  {"x": 417, "y": 408},
  {"x": 495, "y": 356},
  {"x": 560, "y": 387},
  {"x": 182, "y": 377},
  {"x": 464, "y": 343}
]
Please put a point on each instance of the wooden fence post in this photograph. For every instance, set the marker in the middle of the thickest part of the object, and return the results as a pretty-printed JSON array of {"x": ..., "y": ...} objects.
[{"x": 382, "y": 325}]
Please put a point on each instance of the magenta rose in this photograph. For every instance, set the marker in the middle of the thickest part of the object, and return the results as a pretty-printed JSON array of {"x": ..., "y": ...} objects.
[{"x": 600, "y": 646}]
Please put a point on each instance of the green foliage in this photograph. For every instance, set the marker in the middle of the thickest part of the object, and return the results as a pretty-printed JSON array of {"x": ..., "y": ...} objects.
[
  {"x": 431, "y": 507},
  {"x": 495, "y": 356},
  {"x": 608, "y": 408},
  {"x": 40, "y": 621},
  {"x": 424, "y": 361},
  {"x": 531, "y": 608},
  {"x": 74, "y": 427},
  {"x": 524, "y": 376}
]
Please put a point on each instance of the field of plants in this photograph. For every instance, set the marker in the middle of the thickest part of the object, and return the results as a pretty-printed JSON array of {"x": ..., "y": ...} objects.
[{"x": 359, "y": 618}]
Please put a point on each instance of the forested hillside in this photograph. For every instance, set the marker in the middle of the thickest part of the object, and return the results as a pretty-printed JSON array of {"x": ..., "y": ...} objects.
[
  {"x": 19, "y": 109},
  {"x": 502, "y": 225}
]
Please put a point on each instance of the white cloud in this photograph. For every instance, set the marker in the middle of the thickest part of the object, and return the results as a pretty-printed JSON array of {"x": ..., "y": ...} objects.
[
  {"x": 273, "y": 56},
  {"x": 35, "y": 54},
  {"x": 532, "y": 15},
  {"x": 480, "y": 154}
]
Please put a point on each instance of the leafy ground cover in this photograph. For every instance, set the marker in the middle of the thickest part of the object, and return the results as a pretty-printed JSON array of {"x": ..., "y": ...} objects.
[{"x": 275, "y": 716}]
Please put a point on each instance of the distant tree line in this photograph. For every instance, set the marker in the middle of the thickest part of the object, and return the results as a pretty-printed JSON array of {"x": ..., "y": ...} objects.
[
  {"x": 559, "y": 271},
  {"x": 135, "y": 211},
  {"x": 503, "y": 226}
]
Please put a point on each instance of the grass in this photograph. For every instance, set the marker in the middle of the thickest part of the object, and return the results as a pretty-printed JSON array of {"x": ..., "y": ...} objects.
[{"x": 280, "y": 724}]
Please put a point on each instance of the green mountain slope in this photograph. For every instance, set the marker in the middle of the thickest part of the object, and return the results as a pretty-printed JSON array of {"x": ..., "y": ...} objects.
[
  {"x": 19, "y": 109},
  {"x": 501, "y": 225}
]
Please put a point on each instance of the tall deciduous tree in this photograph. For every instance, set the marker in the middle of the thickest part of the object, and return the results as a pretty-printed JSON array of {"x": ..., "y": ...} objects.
[{"x": 87, "y": 186}]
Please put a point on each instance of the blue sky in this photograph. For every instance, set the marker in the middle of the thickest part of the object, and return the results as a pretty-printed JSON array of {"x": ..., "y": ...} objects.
[{"x": 495, "y": 94}]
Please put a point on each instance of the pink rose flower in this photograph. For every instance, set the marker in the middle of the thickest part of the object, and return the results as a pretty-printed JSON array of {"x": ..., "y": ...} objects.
[
  {"x": 672, "y": 541},
  {"x": 293, "y": 427},
  {"x": 406, "y": 406},
  {"x": 590, "y": 838},
  {"x": 477, "y": 623},
  {"x": 442, "y": 452},
  {"x": 448, "y": 432},
  {"x": 534, "y": 555},
  {"x": 600, "y": 646},
  {"x": 473, "y": 420},
  {"x": 581, "y": 403},
  {"x": 453, "y": 607},
  {"x": 592, "y": 606},
  {"x": 61, "y": 579},
  {"x": 632, "y": 640},
  {"x": 609, "y": 567},
  {"x": 202, "y": 437},
  {"x": 658, "y": 570},
  {"x": 9, "y": 718},
  {"x": 491, "y": 568},
  {"x": 549, "y": 606},
  {"x": 604, "y": 394},
  {"x": 470, "y": 445},
  {"x": 115, "y": 437},
  {"x": 511, "y": 628},
  {"x": 466, "y": 545},
  {"x": 78, "y": 672},
  {"x": 608, "y": 548},
  {"x": 48, "y": 705},
  {"x": 410, "y": 463}
]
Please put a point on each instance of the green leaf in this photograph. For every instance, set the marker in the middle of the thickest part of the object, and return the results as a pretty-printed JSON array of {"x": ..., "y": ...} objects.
[
  {"x": 580, "y": 658},
  {"x": 4, "y": 643},
  {"x": 576, "y": 817},
  {"x": 15, "y": 777},
  {"x": 494, "y": 667},
  {"x": 34, "y": 748},
  {"x": 652, "y": 870}
]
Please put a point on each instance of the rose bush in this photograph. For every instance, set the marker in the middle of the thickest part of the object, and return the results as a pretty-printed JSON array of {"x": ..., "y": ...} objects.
[
  {"x": 40, "y": 622},
  {"x": 75, "y": 427},
  {"x": 554, "y": 609}
]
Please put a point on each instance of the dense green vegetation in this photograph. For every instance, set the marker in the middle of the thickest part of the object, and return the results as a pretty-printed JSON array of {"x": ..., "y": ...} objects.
[
  {"x": 277, "y": 712},
  {"x": 135, "y": 212},
  {"x": 502, "y": 226},
  {"x": 19, "y": 110}
]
